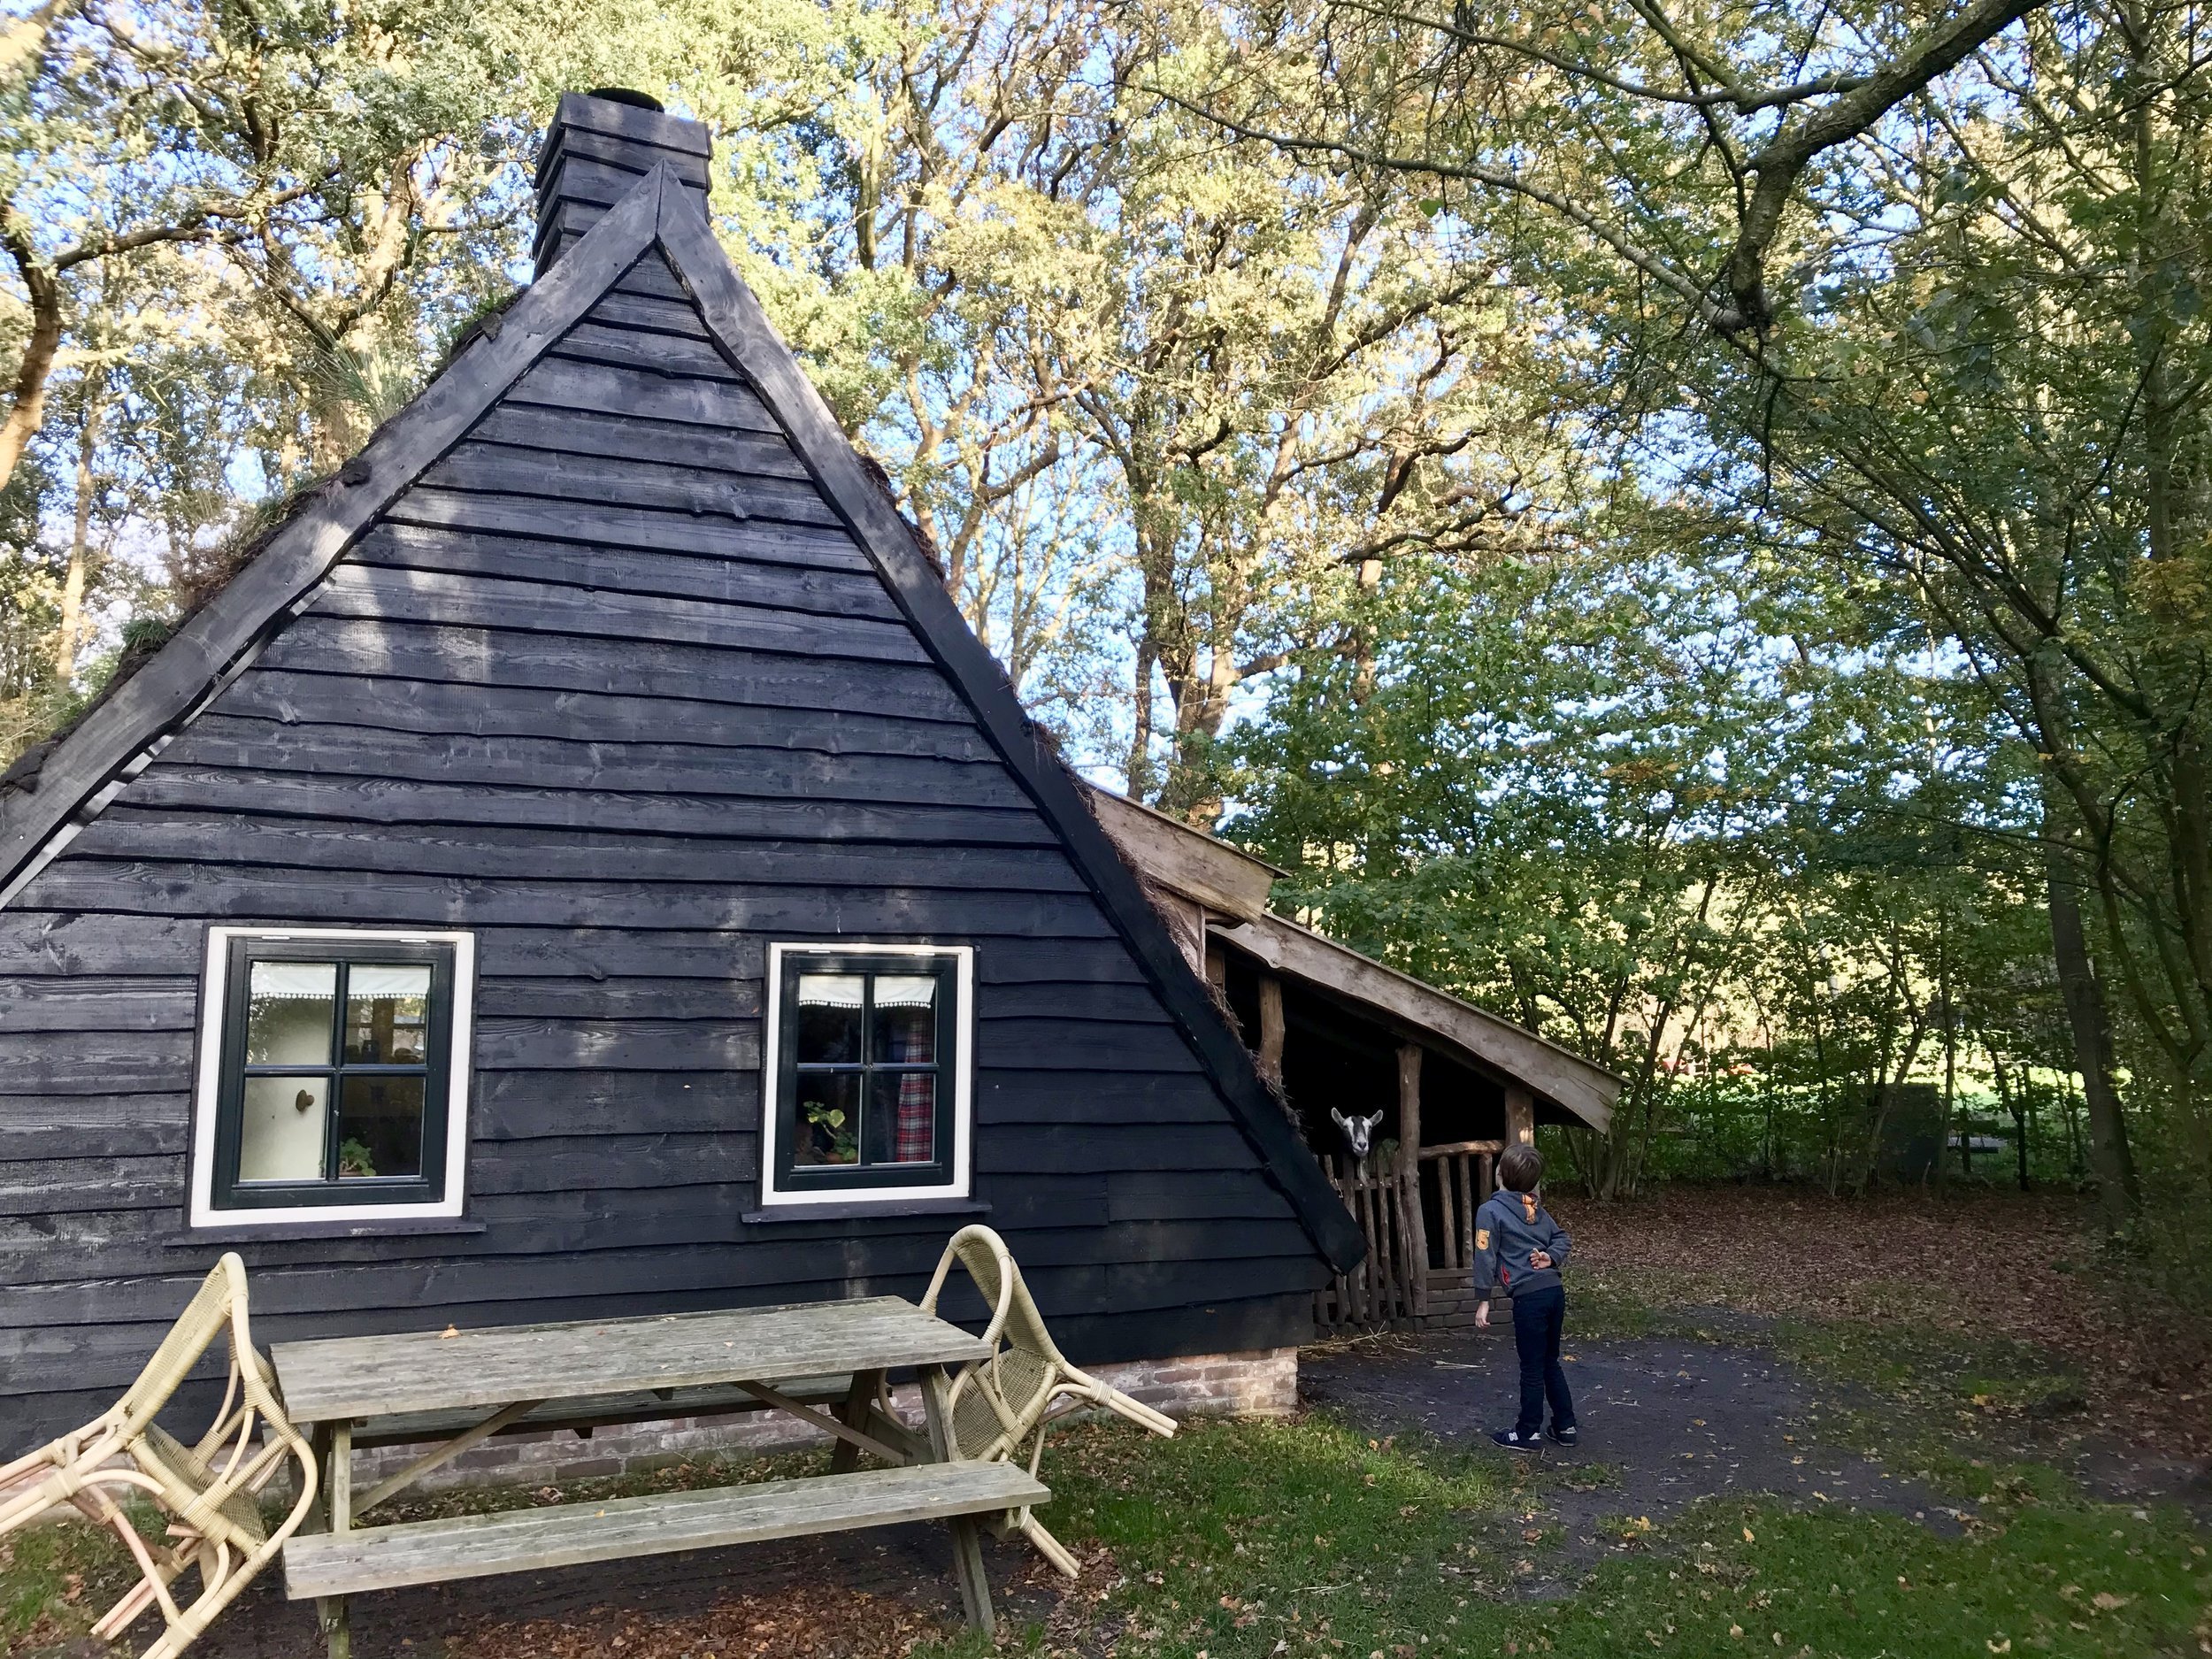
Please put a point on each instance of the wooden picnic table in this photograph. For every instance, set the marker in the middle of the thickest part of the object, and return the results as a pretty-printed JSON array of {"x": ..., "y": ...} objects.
[{"x": 823, "y": 1363}]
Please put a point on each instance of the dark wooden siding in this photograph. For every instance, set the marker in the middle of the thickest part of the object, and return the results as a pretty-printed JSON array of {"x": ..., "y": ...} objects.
[{"x": 617, "y": 693}]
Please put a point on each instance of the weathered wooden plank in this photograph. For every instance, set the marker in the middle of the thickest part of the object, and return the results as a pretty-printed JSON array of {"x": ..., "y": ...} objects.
[
  {"x": 497, "y": 469},
  {"x": 674, "y": 999},
  {"x": 565, "y": 383},
  {"x": 106, "y": 1061},
  {"x": 669, "y": 575},
  {"x": 625, "y": 307},
  {"x": 277, "y": 894},
  {"x": 368, "y": 592},
  {"x": 41, "y": 1127},
  {"x": 652, "y": 277},
  {"x": 431, "y": 1371},
  {"x": 98, "y": 1003},
  {"x": 1015, "y": 1149},
  {"x": 374, "y": 800},
  {"x": 660, "y": 1165},
  {"x": 762, "y": 541},
  {"x": 572, "y": 855},
  {"x": 617, "y": 1045},
  {"x": 632, "y": 437},
  {"x": 597, "y": 1411},
  {"x": 504, "y": 712},
  {"x": 1148, "y": 1195},
  {"x": 670, "y": 354},
  {"x": 503, "y": 656},
  {"x": 217, "y": 739},
  {"x": 50, "y": 1186},
  {"x": 567, "y": 1535},
  {"x": 1224, "y": 878},
  {"x": 1045, "y": 1041},
  {"x": 516, "y": 1104}
]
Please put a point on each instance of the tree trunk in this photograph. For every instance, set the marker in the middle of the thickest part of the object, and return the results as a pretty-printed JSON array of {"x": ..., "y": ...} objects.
[
  {"x": 2092, "y": 1032},
  {"x": 71, "y": 637},
  {"x": 27, "y": 408}
]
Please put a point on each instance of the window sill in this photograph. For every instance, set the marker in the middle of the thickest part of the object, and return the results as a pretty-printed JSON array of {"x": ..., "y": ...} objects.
[
  {"x": 887, "y": 1209},
  {"x": 281, "y": 1231}
]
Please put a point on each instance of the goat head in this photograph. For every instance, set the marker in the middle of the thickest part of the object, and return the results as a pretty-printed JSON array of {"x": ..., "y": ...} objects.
[{"x": 1359, "y": 1133}]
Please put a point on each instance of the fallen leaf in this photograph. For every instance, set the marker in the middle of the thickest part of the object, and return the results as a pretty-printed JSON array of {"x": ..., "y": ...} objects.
[{"x": 448, "y": 1332}]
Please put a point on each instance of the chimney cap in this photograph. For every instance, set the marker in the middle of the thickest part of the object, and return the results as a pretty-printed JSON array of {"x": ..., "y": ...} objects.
[{"x": 624, "y": 94}]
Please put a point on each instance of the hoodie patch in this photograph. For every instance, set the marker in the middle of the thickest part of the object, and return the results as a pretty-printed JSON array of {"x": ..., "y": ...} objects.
[{"x": 1482, "y": 1238}]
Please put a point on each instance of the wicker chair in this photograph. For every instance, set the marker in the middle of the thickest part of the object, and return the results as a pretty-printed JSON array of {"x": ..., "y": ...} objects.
[
  {"x": 207, "y": 1490},
  {"x": 1000, "y": 1404}
]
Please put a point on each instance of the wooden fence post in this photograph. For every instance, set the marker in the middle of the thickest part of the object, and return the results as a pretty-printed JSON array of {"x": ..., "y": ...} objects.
[
  {"x": 1417, "y": 1235},
  {"x": 1271, "y": 1049},
  {"x": 1520, "y": 1117}
]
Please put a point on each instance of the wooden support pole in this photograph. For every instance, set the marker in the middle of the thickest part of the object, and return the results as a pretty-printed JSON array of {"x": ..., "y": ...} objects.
[
  {"x": 1520, "y": 1117},
  {"x": 1417, "y": 1236},
  {"x": 331, "y": 1611},
  {"x": 1217, "y": 966},
  {"x": 967, "y": 1546},
  {"x": 1270, "y": 1050}
]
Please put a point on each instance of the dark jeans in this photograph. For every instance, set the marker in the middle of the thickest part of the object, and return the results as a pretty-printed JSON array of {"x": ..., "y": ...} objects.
[{"x": 1537, "y": 1319}]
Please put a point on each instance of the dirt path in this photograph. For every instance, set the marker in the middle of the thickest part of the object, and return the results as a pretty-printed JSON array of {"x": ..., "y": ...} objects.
[{"x": 1664, "y": 1421}]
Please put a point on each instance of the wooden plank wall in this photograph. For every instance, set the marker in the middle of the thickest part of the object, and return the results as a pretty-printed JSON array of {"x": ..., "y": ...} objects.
[{"x": 615, "y": 692}]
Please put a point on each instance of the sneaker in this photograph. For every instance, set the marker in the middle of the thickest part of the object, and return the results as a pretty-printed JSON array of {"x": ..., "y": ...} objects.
[
  {"x": 1513, "y": 1441},
  {"x": 1558, "y": 1436}
]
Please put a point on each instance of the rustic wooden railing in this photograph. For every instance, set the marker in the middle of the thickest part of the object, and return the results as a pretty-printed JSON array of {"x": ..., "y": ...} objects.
[
  {"x": 1419, "y": 1223},
  {"x": 1462, "y": 1174},
  {"x": 1380, "y": 1292}
]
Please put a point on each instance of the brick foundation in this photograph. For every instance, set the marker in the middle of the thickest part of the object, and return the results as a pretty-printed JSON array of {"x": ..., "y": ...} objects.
[{"x": 1259, "y": 1384}]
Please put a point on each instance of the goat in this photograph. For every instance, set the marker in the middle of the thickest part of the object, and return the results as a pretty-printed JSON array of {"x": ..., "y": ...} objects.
[{"x": 1359, "y": 1133}]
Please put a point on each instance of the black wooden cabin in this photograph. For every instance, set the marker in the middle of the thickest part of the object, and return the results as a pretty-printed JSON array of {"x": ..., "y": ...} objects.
[{"x": 583, "y": 863}]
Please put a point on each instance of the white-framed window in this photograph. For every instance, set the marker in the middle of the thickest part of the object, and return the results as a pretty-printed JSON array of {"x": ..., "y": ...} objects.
[
  {"x": 333, "y": 1076},
  {"x": 867, "y": 1073}
]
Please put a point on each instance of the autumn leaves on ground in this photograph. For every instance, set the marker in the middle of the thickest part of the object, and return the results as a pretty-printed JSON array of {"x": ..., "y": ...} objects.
[{"x": 1979, "y": 1344}]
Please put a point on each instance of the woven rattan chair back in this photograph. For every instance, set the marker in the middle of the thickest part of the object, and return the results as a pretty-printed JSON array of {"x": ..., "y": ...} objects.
[
  {"x": 1001, "y": 1402},
  {"x": 208, "y": 1491}
]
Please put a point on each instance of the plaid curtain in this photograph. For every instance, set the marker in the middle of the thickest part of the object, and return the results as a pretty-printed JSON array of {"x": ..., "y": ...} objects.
[{"x": 914, "y": 1125}]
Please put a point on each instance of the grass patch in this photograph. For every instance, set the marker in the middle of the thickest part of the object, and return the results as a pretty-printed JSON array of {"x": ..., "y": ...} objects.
[
  {"x": 2072, "y": 1579},
  {"x": 1242, "y": 1540},
  {"x": 55, "y": 1580},
  {"x": 1235, "y": 1536}
]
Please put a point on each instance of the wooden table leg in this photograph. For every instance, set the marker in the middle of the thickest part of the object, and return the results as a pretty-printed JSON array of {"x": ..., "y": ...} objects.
[
  {"x": 854, "y": 1415},
  {"x": 335, "y": 1440},
  {"x": 967, "y": 1542}
]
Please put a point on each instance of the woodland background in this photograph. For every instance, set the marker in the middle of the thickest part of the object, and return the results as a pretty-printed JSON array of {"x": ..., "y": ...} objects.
[{"x": 1686, "y": 522}]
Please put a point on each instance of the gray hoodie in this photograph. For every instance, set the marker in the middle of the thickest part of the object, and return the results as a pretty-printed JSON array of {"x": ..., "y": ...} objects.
[{"x": 1507, "y": 1227}]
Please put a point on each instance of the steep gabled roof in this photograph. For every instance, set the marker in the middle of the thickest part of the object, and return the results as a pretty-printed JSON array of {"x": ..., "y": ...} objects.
[{"x": 88, "y": 767}]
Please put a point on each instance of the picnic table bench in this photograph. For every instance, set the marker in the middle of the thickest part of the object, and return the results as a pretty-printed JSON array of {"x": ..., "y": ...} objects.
[{"x": 823, "y": 1363}]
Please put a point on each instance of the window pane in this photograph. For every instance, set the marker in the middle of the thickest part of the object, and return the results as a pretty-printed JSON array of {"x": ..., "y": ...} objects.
[
  {"x": 903, "y": 1124},
  {"x": 906, "y": 1020},
  {"x": 828, "y": 1126},
  {"x": 829, "y": 1018},
  {"x": 380, "y": 1126},
  {"x": 281, "y": 1128},
  {"x": 287, "y": 1012},
  {"x": 387, "y": 1013}
]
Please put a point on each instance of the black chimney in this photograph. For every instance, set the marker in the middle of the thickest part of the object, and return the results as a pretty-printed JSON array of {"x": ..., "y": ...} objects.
[{"x": 600, "y": 145}]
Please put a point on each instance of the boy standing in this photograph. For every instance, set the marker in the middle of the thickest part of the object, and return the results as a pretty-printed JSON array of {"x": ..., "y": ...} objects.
[{"x": 1519, "y": 1246}]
